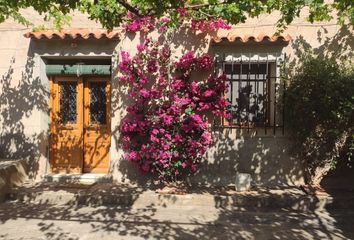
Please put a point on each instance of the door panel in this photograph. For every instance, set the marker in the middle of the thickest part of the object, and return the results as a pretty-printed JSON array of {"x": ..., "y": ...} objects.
[
  {"x": 67, "y": 125},
  {"x": 97, "y": 125},
  {"x": 80, "y": 124}
]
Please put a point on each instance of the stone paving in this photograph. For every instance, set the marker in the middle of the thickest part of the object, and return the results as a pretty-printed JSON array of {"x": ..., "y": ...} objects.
[{"x": 150, "y": 215}]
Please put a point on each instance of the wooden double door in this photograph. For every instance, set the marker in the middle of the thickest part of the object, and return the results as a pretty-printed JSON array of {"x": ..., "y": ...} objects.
[{"x": 80, "y": 124}]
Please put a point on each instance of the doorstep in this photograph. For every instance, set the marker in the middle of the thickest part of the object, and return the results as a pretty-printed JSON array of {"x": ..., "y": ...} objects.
[{"x": 84, "y": 178}]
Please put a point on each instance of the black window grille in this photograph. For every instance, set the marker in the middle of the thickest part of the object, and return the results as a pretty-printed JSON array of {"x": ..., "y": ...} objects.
[
  {"x": 255, "y": 93},
  {"x": 98, "y": 103},
  {"x": 67, "y": 106}
]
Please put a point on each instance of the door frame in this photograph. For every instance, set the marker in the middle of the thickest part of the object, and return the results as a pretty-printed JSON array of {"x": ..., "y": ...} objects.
[{"x": 54, "y": 107}]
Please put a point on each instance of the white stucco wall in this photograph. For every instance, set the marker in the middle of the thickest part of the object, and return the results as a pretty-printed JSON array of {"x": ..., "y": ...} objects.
[{"x": 24, "y": 102}]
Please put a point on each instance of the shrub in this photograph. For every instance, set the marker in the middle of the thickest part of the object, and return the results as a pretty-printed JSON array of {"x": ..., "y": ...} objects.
[{"x": 319, "y": 101}]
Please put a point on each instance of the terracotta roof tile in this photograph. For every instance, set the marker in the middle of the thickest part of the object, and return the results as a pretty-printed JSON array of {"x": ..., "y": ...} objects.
[
  {"x": 234, "y": 35},
  {"x": 231, "y": 35},
  {"x": 74, "y": 34}
]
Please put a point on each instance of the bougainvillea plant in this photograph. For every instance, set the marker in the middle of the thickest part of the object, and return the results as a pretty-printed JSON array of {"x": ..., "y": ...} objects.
[{"x": 166, "y": 131}]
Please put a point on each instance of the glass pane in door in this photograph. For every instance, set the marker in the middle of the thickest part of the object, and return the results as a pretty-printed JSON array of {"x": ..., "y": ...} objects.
[
  {"x": 98, "y": 103},
  {"x": 67, "y": 105}
]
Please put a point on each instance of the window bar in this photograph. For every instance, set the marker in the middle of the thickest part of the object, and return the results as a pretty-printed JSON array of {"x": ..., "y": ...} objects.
[
  {"x": 256, "y": 83},
  {"x": 275, "y": 97},
  {"x": 223, "y": 70},
  {"x": 216, "y": 65},
  {"x": 232, "y": 88},
  {"x": 216, "y": 73},
  {"x": 249, "y": 93},
  {"x": 283, "y": 109},
  {"x": 239, "y": 94},
  {"x": 265, "y": 93},
  {"x": 283, "y": 93}
]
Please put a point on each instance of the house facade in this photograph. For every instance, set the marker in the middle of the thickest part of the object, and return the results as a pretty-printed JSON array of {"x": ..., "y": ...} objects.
[{"x": 61, "y": 103}]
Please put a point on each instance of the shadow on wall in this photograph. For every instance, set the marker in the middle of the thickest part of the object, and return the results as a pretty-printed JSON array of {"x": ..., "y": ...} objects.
[
  {"x": 19, "y": 99},
  {"x": 339, "y": 47},
  {"x": 267, "y": 158}
]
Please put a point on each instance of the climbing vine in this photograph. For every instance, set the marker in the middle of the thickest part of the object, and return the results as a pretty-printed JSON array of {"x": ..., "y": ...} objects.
[{"x": 166, "y": 131}]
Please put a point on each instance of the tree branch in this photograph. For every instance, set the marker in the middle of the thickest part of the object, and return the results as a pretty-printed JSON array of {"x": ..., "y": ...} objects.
[
  {"x": 198, "y": 6},
  {"x": 129, "y": 7},
  {"x": 206, "y": 14}
]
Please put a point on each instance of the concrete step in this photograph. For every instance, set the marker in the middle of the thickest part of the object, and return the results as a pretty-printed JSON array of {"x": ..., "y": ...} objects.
[
  {"x": 127, "y": 197},
  {"x": 85, "y": 178}
]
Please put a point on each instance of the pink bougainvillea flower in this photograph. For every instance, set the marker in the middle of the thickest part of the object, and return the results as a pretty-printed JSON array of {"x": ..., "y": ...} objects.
[
  {"x": 177, "y": 138},
  {"x": 124, "y": 62},
  {"x": 168, "y": 136},
  {"x": 206, "y": 138},
  {"x": 152, "y": 66},
  {"x": 133, "y": 27},
  {"x": 209, "y": 25},
  {"x": 187, "y": 61},
  {"x": 194, "y": 167},
  {"x": 167, "y": 119},
  {"x": 165, "y": 146},
  {"x": 130, "y": 15},
  {"x": 165, "y": 19},
  {"x": 177, "y": 84},
  {"x": 146, "y": 166},
  {"x": 132, "y": 156},
  {"x": 208, "y": 93},
  {"x": 144, "y": 93},
  {"x": 165, "y": 53},
  {"x": 194, "y": 88},
  {"x": 141, "y": 47},
  {"x": 162, "y": 29},
  {"x": 182, "y": 12},
  {"x": 154, "y": 139},
  {"x": 205, "y": 62},
  {"x": 136, "y": 24}
]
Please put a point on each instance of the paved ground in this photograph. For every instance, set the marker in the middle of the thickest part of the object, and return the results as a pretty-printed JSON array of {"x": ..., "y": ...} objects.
[
  {"x": 190, "y": 222},
  {"x": 150, "y": 216}
]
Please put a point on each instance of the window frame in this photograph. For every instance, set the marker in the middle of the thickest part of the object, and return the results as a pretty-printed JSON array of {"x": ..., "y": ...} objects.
[{"x": 273, "y": 81}]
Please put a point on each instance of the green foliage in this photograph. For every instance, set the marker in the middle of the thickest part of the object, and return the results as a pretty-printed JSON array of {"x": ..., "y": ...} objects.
[
  {"x": 39, "y": 28},
  {"x": 111, "y": 13},
  {"x": 320, "y": 111}
]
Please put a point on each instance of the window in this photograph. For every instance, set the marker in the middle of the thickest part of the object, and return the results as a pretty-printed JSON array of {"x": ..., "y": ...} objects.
[
  {"x": 254, "y": 92},
  {"x": 68, "y": 111},
  {"x": 98, "y": 103}
]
